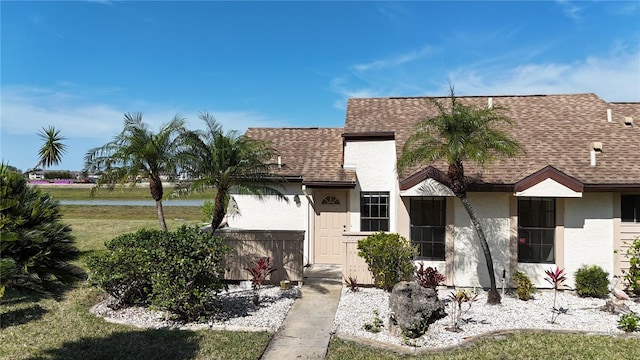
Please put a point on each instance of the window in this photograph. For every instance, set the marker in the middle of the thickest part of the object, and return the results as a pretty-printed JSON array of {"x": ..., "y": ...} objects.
[
  {"x": 630, "y": 208},
  {"x": 330, "y": 200},
  {"x": 374, "y": 211},
  {"x": 536, "y": 230},
  {"x": 428, "y": 226}
]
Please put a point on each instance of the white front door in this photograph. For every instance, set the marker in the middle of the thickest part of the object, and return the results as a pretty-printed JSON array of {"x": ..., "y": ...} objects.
[{"x": 330, "y": 223}]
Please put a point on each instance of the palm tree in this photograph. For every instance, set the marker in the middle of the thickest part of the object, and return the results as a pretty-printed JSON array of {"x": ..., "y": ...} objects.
[
  {"x": 138, "y": 152},
  {"x": 461, "y": 133},
  {"x": 229, "y": 162},
  {"x": 52, "y": 150}
]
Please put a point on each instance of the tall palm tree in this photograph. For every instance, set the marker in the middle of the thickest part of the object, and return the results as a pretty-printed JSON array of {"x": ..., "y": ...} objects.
[
  {"x": 229, "y": 162},
  {"x": 52, "y": 150},
  {"x": 461, "y": 133},
  {"x": 138, "y": 152}
]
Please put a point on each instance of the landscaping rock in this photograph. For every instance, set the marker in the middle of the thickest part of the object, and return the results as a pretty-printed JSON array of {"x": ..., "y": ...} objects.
[
  {"x": 615, "y": 307},
  {"x": 412, "y": 308}
]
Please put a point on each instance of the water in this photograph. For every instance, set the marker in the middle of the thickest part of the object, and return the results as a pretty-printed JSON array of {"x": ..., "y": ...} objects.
[{"x": 180, "y": 202}]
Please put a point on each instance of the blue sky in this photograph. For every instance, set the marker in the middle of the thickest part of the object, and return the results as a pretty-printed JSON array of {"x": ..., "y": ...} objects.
[{"x": 80, "y": 65}]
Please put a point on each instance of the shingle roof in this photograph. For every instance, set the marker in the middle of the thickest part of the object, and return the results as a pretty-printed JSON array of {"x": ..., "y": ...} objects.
[
  {"x": 554, "y": 129},
  {"x": 315, "y": 154}
]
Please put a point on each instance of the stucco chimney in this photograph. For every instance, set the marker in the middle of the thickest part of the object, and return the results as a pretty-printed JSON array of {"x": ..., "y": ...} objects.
[
  {"x": 594, "y": 147},
  {"x": 490, "y": 103},
  {"x": 609, "y": 115},
  {"x": 628, "y": 120}
]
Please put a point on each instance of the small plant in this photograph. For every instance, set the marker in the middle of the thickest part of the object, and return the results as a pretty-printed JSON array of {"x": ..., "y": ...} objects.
[
  {"x": 556, "y": 278},
  {"x": 429, "y": 277},
  {"x": 592, "y": 281},
  {"x": 375, "y": 325},
  {"x": 259, "y": 271},
  {"x": 629, "y": 322},
  {"x": 632, "y": 276},
  {"x": 524, "y": 285},
  {"x": 389, "y": 257},
  {"x": 458, "y": 298},
  {"x": 352, "y": 283}
]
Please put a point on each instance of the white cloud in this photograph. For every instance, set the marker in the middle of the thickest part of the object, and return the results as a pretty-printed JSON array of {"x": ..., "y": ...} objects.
[{"x": 614, "y": 78}]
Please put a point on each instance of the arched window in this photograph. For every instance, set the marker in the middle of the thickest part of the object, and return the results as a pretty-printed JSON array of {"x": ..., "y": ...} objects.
[{"x": 330, "y": 200}]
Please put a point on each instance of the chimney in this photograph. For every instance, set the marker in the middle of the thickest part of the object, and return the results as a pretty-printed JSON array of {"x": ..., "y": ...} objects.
[
  {"x": 594, "y": 148},
  {"x": 279, "y": 162},
  {"x": 609, "y": 115},
  {"x": 490, "y": 103},
  {"x": 628, "y": 120}
]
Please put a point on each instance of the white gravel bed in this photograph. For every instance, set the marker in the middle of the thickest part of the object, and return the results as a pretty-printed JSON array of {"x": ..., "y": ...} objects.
[
  {"x": 238, "y": 312},
  {"x": 356, "y": 308}
]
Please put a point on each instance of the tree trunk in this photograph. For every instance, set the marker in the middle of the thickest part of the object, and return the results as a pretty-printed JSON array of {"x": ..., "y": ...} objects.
[
  {"x": 155, "y": 186},
  {"x": 219, "y": 210},
  {"x": 163, "y": 224},
  {"x": 493, "y": 296}
]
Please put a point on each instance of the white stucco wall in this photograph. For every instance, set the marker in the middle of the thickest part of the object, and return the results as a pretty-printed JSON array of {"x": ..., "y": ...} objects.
[
  {"x": 470, "y": 267},
  {"x": 270, "y": 213},
  {"x": 588, "y": 236},
  {"x": 549, "y": 188},
  {"x": 375, "y": 165}
]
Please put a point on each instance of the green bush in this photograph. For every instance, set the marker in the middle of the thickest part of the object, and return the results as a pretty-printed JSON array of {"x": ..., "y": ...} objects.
[
  {"x": 592, "y": 281},
  {"x": 36, "y": 248},
  {"x": 178, "y": 271},
  {"x": 629, "y": 322},
  {"x": 390, "y": 258},
  {"x": 632, "y": 276},
  {"x": 524, "y": 286},
  {"x": 206, "y": 209}
]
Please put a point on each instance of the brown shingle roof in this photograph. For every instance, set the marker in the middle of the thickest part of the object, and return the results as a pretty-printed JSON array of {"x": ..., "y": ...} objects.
[
  {"x": 315, "y": 154},
  {"x": 554, "y": 129}
]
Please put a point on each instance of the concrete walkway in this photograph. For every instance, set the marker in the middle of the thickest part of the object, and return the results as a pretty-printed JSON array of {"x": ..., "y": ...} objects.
[{"x": 305, "y": 332}]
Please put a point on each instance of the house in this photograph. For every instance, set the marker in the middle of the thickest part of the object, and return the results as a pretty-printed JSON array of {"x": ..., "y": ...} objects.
[{"x": 572, "y": 198}]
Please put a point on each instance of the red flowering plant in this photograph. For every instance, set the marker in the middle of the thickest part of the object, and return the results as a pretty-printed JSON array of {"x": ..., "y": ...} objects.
[
  {"x": 556, "y": 278},
  {"x": 429, "y": 277}
]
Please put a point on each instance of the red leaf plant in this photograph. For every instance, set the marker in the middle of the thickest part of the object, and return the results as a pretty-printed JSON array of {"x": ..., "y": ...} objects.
[{"x": 556, "y": 278}]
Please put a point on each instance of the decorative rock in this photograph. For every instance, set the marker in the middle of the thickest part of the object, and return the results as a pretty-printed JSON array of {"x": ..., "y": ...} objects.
[
  {"x": 615, "y": 307},
  {"x": 412, "y": 308}
]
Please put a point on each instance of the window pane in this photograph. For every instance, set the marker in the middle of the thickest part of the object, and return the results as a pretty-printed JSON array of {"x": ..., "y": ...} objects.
[
  {"x": 536, "y": 230},
  {"x": 630, "y": 208}
]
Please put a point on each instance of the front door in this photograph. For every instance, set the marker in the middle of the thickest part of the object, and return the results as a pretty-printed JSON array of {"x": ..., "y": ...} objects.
[{"x": 330, "y": 223}]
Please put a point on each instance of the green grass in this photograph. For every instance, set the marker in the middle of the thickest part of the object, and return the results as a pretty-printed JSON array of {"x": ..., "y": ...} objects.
[
  {"x": 47, "y": 327},
  {"x": 516, "y": 346},
  {"x": 140, "y": 192}
]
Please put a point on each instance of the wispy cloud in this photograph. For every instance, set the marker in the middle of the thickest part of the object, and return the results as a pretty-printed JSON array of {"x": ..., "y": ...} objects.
[
  {"x": 396, "y": 60},
  {"x": 614, "y": 78},
  {"x": 571, "y": 9}
]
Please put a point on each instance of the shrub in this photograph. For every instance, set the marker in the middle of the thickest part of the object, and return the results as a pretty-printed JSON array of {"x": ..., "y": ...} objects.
[
  {"x": 524, "y": 286},
  {"x": 592, "y": 281},
  {"x": 429, "y": 277},
  {"x": 556, "y": 278},
  {"x": 206, "y": 209},
  {"x": 389, "y": 257},
  {"x": 632, "y": 276},
  {"x": 177, "y": 271},
  {"x": 629, "y": 322},
  {"x": 36, "y": 248}
]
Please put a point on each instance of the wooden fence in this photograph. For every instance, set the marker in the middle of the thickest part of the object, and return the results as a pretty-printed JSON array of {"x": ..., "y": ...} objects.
[
  {"x": 284, "y": 247},
  {"x": 353, "y": 265}
]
